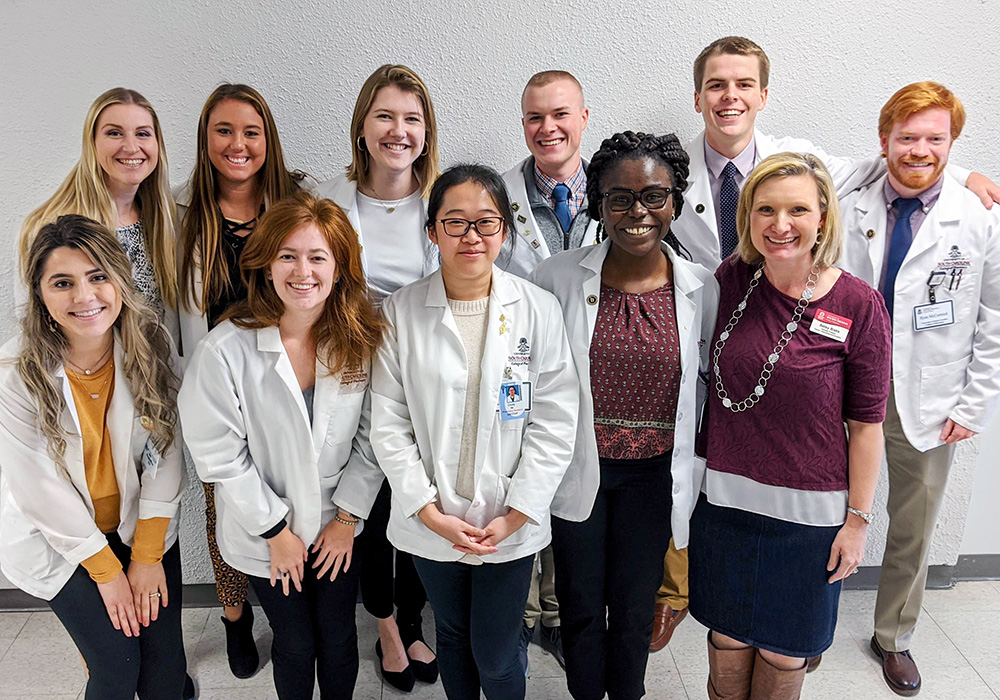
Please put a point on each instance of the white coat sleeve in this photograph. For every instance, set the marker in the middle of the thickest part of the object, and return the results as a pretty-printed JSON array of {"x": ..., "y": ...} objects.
[
  {"x": 392, "y": 435},
  {"x": 550, "y": 435},
  {"x": 982, "y": 389},
  {"x": 362, "y": 477},
  {"x": 216, "y": 435},
  {"x": 44, "y": 493},
  {"x": 161, "y": 488}
]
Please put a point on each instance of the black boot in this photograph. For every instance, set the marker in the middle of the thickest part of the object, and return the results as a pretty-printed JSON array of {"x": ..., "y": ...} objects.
[{"x": 240, "y": 645}]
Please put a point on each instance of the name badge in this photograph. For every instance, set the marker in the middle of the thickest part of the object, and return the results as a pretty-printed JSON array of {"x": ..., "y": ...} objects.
[
  {"x": 927, "y": 316},
  {"x": 515, "y": 400},
  {"x": 150, "y": 457},
  {"x": 831, "y": 325}
]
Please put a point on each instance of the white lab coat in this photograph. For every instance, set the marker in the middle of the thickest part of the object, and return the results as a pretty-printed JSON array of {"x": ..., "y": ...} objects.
[
  {"x": 697, "y": 228},
  {"x": 531, "y": 247},
  {"x": 948, "y": 372},
  {"x": 574, "y": 277},
  {"x": 343, "y": 193},
  {"x": 47, "y": 523},
  {"x": 418, "y": 403},
  {"x": 248, "y": 431}
]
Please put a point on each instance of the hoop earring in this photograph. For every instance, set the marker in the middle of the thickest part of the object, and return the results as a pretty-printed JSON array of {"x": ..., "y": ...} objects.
[
  {"x": 423, "y": 152},
  {"x": 360, "y": 146}
]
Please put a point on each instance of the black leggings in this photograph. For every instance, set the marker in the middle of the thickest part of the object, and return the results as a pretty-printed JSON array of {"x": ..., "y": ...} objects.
[
  {"x": 314, "y": 633},
  {"x": 380, "y": 589},
  {"x": 151, "y": 664}
]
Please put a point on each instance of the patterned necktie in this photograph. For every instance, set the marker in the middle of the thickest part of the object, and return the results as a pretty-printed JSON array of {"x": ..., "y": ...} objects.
[
  {"x": 729, "y": 197},
  {"x": 902, "y": 236},
  {"x": 560, "y": 195}
]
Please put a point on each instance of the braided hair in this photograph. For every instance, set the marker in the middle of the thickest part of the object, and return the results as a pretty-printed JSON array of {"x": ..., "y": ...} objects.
[{"x": 629, "y": 145}]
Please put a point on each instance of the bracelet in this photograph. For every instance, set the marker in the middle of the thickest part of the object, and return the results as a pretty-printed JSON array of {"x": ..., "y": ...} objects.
[
  {"x": 867, "y": 517},
  {"x": 345, "y": 521}
]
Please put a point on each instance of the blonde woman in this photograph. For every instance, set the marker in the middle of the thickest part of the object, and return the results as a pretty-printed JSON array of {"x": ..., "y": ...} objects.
[
  {"x": 121, "y": 181},
  {"x": 92, "y": 473},
  {"x": 239, "y": 172},
  {"x": 394, "y": 163}
]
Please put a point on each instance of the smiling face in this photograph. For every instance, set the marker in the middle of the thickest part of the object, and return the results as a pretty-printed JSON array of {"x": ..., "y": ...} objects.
[
  {"x": 785, "y": 219},
  {"x": 79, "y": 296},
  {"x": 394, "y": 130},
  {"x": 917, "y": 150},
  {"x": 237, "y": 146},
  {"x": 729, "y": 100},
  {"x": 304, "y": 272},
  {"x": 554, "y": 117},
  {"x": 469, "y": 257},
  {"x": 639, "y": 230},
  {"x": 125, "y": 141}
]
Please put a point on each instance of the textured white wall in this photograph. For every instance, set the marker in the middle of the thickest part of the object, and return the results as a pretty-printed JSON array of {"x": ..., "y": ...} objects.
[{"x": 834, "y": 64}]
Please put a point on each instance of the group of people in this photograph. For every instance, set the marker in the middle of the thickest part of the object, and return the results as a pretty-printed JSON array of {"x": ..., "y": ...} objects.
[{"x": 522, "y": 398}]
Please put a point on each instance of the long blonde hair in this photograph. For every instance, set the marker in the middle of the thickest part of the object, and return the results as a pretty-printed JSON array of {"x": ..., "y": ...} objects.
[
  {"x": 201, "y": 229},
  {"x": 425, "y": 167},
  {"x": 145, "y": 343},
  {"x": 349, "y": 329},
  {"x": 85, "y": 192}
]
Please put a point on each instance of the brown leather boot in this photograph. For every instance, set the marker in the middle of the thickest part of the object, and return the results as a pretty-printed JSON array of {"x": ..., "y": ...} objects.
[
  {"x": 772, "y": 683},
  {"x": 729, "y": 672}
]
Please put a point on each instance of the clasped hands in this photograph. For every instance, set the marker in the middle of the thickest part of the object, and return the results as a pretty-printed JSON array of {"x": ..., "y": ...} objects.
[{"x": 467, "y": 538}]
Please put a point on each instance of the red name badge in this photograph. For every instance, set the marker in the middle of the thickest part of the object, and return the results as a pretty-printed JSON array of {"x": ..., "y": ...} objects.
[{"x": 831, "y": 325}]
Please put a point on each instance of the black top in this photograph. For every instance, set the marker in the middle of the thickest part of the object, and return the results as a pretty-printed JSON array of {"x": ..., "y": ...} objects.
[{"x": 232, "y": 247}]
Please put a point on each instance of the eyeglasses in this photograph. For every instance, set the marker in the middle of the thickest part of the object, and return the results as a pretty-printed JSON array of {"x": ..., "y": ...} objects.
[
  {"x": 487, "y": 226},
  {"x": 621, "y": 200}
]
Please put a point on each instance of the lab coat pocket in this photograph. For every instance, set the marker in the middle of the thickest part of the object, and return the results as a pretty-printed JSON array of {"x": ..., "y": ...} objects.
[
  {"x": 503, "y": 488},
  {"x": 23, "y": 547},
  {"x": 344, "y": 419},
  {"x": 940, "y": 388}
]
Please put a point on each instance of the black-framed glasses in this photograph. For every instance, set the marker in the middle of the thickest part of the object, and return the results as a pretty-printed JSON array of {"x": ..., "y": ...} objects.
[
  {"x": 621, "y": 200},
  {"x": 487, "y": 226}
]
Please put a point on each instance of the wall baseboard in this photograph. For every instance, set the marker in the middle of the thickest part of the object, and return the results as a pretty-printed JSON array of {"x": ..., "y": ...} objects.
[{"x": 970, "y": 567}]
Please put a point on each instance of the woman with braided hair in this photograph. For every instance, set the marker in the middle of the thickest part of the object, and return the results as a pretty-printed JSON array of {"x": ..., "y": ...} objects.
[{"x": 638, "y": 317}]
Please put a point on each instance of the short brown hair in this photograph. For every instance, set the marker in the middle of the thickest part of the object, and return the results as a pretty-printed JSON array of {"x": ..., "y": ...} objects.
[
  {"x": 547, "y": 77},
  {"x": 738, "y": 45},
  {"x": 917, "y": 97},
  {"x": 349, "y": 329},
  {"x": 780, "y": 165}
]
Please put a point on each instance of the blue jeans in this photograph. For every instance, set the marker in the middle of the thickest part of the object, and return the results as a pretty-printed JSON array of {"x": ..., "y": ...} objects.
[{"x": 477, "y": 613}]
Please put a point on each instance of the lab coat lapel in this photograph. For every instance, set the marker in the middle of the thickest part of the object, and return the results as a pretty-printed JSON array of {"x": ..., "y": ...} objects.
[
  {"x": 121, "y": 413},
  {"x": 872, "y": 217},
  {"x": 501, "y": 322},
  {"x": 324, "y": 398},
  {"x": 685, "y": 287},
  {"x": 945, "y": 213},
  {"x": 269, "y": 340}
]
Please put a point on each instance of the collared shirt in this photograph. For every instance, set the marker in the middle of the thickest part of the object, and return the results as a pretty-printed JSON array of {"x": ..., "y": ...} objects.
[
  {"x": 715, "y": 162},
  {"x": 928, "y": 198},
  {"x": 577, "y": 185}
]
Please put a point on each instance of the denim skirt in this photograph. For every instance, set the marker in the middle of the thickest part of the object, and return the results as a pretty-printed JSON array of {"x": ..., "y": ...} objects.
[{"x": 762, "y": 581}]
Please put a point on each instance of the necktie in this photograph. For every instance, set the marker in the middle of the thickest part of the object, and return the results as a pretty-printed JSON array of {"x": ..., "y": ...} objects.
[
  {"x": 729, "y": 197},
  {"x": 902, "y": 236},
  {"x": 560, "y": 195}
]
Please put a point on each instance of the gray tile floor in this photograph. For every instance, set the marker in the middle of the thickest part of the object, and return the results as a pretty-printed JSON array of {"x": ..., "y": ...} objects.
[{"x": 955, "y": 645}]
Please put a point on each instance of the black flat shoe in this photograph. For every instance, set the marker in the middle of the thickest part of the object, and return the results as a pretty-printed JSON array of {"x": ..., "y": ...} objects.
[
  {"x": 423, "y": 671},
  {"x": 240, "y": 645},
  {"x": 400, "y": 680}
]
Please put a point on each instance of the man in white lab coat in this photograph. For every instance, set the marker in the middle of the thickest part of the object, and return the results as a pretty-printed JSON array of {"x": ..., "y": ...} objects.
[
  {"x": 731, "y": 87},
  {"x": 934, "y": 252}
]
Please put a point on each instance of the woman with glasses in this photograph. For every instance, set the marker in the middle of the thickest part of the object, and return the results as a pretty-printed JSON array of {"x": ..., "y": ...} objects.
[
  {"x": 638, "y": 318},
  {"x": 472, "y": 474},
  {"x": 394, "y": 162}
]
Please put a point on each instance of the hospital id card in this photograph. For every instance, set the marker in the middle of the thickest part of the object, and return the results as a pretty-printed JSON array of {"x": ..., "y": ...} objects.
[
  {"x": 150, "y": 457},
  {"x": 831, "y": 325},
  {"x": 515, "y": 400},
  {"x": 939, "y": 315}
]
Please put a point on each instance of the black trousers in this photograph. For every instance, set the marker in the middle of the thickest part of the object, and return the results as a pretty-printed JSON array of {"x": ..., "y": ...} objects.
[
  {"x": 608, "y": 569},
  {"x": 315, "y": 634},
  {"x": 385, "y": 588},
  {"x": 151, "y": 664},
  {"x": 477, "y": 614}
]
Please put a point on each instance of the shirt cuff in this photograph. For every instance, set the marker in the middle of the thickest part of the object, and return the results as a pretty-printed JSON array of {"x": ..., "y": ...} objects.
[
  {"x": 103, "y": 566},
  {"x": 273, "y": 532},
  {"x": 150, "y": 536}
]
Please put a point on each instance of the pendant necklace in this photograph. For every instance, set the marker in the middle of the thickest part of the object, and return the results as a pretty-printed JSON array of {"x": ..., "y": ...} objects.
[{"x": 772, "y": 359}]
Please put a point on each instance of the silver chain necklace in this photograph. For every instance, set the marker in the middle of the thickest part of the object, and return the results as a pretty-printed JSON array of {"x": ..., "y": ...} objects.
[{"x": 772, "y": 359}]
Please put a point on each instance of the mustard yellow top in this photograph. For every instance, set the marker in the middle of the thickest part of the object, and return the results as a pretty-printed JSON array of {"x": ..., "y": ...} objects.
[{"x": 92, "y": 395}]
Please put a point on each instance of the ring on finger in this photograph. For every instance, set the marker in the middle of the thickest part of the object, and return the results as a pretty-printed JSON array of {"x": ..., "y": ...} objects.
[
  {"x": 854, "y": 572},
  {"x": 284, "y": 574},
  {"x": 154, "y": 595}
]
